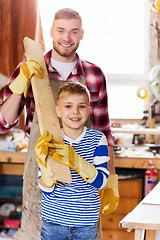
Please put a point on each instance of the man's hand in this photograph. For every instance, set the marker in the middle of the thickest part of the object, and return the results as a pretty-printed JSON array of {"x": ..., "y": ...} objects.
[
  {"x": 22, "y": 83},
  {"x": 110, "y": 196}
]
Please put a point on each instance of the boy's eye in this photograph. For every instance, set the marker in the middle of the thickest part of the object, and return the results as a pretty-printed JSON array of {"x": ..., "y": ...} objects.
[
  {"x": 82, "y": 106},
  {"x": 68, "y": 106}
]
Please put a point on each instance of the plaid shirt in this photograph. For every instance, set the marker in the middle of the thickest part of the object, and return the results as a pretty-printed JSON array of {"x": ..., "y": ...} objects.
[{"x": 96, "y": 83}]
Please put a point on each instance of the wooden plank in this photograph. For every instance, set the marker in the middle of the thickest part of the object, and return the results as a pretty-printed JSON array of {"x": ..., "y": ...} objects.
[{"x": 45, "y": 107}]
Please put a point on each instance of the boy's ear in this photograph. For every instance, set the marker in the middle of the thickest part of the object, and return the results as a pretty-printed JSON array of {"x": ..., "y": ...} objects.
[{"x": 58, "y": 112}]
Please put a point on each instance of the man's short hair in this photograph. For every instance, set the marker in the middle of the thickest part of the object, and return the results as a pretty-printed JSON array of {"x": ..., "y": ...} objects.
[{"x": 67, "y": 13}]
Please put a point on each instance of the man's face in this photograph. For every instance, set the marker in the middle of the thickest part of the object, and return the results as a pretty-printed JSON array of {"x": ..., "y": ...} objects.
[{"x": 66, "y": 34}]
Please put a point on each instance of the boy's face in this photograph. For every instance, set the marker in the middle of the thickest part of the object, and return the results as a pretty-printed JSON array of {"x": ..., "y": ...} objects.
[
  {"x": 73, "y": 110},
  {"x": 66, "y": 34}
]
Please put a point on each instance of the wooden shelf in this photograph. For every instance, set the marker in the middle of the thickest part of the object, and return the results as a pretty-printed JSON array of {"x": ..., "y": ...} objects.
[
  {"x": 135, "y": 162},
  {"x": 146, "y": 131},
  {"x": 12, "y": 157},
  {"x": 12, "y": 163}
]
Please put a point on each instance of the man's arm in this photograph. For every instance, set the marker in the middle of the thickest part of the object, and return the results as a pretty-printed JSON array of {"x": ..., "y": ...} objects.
[
  {"x": 111, "y": 163},
  {"x": 9, "y": 109}
]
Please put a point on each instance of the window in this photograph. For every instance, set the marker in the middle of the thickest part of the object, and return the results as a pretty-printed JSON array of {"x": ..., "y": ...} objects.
[{"x": 116, "y": 39}]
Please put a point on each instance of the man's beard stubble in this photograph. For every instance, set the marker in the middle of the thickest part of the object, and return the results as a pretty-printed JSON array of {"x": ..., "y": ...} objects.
[{"x": 65, "y": 54}]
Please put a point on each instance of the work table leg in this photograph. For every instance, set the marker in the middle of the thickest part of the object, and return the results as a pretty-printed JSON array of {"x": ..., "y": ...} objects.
[
  {"x": 150, "y": 235},
  {"x": 139, "y": 234}
]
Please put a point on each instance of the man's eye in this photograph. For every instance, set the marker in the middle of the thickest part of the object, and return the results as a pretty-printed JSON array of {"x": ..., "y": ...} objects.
[
  {"x": 74, "y": 32},
  {"x": 60, "y": 31}
]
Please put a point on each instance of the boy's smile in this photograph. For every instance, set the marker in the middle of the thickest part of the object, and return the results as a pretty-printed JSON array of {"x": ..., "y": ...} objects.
[{"x": 74, "y": 110}]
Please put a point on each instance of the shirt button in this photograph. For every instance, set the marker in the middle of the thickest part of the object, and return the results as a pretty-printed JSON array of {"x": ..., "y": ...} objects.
[{"x": 74, "y": 72}]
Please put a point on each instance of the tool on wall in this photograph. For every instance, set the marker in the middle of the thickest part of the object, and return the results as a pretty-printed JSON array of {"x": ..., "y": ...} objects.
[
  {"x": 156, "y": 27},
  {"x": 144, "y": 95},
  {"x": 156, "y": 6}
]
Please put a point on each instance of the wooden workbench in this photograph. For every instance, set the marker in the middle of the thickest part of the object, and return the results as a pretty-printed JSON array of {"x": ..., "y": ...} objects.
[
  {"x": 17, "y": 159},
  {"x": 145, "y": 216},
  {"x": 12, "y": 163}
]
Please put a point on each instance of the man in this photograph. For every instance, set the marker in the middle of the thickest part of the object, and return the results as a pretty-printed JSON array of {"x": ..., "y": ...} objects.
[{"x": 63, "y": 64}]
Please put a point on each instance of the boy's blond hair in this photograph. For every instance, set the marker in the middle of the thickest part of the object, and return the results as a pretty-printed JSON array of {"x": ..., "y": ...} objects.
[{"x": 74, "y": 88}]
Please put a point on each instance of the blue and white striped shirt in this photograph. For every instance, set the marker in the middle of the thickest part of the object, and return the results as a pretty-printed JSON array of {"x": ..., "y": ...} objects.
[{"x": 77, "y": 203}]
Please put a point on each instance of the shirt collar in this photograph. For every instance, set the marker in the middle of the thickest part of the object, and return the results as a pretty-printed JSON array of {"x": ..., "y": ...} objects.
[
  {"x": 77, "y": 70},
  {"x": 70, "y": 140}
]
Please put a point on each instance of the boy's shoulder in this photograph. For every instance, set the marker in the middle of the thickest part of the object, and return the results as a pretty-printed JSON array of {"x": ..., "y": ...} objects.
[{"x": 94, "y": 132}]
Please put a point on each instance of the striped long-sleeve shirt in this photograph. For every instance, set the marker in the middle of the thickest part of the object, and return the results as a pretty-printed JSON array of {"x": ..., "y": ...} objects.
[{"x": 77, "y": 203}]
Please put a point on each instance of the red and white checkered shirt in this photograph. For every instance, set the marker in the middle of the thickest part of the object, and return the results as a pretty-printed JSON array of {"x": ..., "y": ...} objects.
[{"x": 96, "y": 83}]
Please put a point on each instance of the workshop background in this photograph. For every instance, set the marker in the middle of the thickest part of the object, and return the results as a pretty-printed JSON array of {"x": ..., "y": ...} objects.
[{"x": 137, "y": 138}]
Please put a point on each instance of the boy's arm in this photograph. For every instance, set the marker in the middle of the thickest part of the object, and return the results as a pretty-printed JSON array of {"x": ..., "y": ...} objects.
[
  {"x": 43, "y": 187},
  {"x": 100, "y": 161}
]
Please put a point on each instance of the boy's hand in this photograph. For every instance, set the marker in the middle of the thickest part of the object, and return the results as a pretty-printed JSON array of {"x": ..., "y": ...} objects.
[
  {"x": 65, "y": 154},
  {"x": 42, "y": 147},
  {"x": 41, "y": 152},
  {"x": 62, "y": 153},
  {"x": 22, "y": 82},
  {"x": 110, "y": 196}
]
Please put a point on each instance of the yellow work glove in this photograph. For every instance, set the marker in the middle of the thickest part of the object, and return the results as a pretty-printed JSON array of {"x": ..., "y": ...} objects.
[
  {"x": 41, "y": 152},
  {"x": 22, "y": 82},
  {"x": 63, "y": 153},
  {"x": 110, "y": 196}
]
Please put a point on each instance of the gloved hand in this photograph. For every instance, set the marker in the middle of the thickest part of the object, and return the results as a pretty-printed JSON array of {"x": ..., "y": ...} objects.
[
  {"x": 41, "y": 152},
  {"x": 63, "y": 153},
  {"x": 42, "y": 147},
  {"x": 22, "y": 82},
  {"x": 110, "y": 196}
]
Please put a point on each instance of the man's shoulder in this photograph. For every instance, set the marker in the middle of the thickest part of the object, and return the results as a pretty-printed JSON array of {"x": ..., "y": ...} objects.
[{"x": 86, "y": 64}]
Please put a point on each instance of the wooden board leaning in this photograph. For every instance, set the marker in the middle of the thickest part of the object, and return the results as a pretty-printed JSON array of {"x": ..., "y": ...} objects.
[{"x": 45, "y": 107}]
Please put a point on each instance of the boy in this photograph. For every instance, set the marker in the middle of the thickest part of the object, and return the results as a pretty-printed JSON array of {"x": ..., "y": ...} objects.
[{"x": 71, "y": 211}]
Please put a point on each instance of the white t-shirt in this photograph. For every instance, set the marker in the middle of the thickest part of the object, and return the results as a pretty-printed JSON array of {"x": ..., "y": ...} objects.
[{"x": 64, "y": 69}]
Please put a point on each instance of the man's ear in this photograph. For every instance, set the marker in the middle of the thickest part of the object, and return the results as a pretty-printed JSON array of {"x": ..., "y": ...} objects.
[
  {"x": 58, "y": 112},
  {"x": 82, "y": 33},
  {"x": 51, "y": 32}
]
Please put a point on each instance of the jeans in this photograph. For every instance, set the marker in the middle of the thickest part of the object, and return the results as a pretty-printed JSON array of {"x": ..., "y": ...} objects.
[{"x": 52, "y": 231}]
